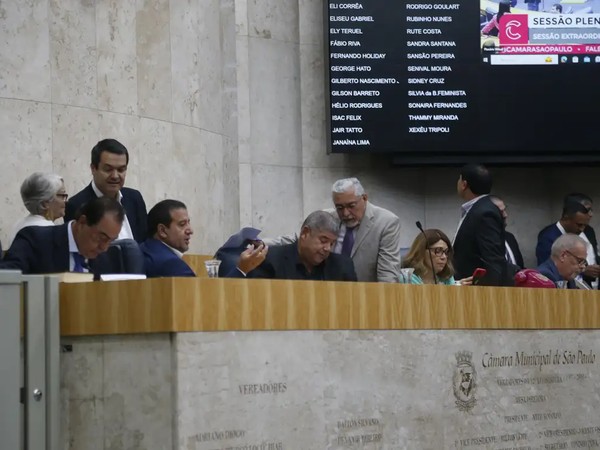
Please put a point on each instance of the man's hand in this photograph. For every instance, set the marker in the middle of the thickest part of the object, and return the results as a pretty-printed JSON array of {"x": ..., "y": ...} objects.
[
  {"x": 252, "y": 257},
  {"x": 592, "y": 271}
]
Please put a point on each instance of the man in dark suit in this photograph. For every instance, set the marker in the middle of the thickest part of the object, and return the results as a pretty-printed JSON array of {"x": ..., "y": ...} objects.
[
  {"x": 75, "y": 246},
  {"x": 310, "y": 258},
  {"x": 567, "y": 260},
  {"x": 574, "y": 219},
  {"x": 480, "y": 238},
  {"x": 171, "y": 231},
  {"x": 109, "y": 169},
  {"x": 592, "y": 271},
  {"x": 513, "y": 252}
]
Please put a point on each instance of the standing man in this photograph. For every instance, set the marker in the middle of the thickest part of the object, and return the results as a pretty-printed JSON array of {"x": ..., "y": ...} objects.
[
  {"x": 72, "y": 246},
  {"x": 513, "y": 252},
  {"x": 109, "y": 169},
  {"x": 480, "y": 237},
  {"x": 370, "y": 235}
]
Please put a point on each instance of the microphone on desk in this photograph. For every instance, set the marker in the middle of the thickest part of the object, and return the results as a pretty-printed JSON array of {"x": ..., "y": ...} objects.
[{"x": 420, "y": 227}]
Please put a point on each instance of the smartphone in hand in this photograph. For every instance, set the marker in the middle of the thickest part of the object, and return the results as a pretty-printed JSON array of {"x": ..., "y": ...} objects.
[{"x": 478, "y": 274}]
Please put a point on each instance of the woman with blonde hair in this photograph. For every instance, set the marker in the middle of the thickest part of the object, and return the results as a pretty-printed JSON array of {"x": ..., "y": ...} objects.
[
  {"x": 45, "y": 198},
  {"x": 431, "y": 247}
]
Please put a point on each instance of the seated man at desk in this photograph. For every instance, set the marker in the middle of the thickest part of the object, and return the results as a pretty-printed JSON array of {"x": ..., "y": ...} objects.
[
  {"x": 72, "y": 246},
  {"x": 311, "y": 257},
  {"x": 171, "y": 231},
  {"x": 567, "y": 260},
  {"x": 170, "y": 227}
]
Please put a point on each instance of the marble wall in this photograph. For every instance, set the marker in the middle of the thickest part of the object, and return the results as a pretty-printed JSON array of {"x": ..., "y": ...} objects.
[
  {"x": 117, "y": 393},
  {"x": 221, "y": 104},
  {"x": 343, "y": 389}
]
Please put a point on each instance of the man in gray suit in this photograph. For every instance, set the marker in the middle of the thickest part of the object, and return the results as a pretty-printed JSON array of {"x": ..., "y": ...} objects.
[{"x": 370, "y": 235}]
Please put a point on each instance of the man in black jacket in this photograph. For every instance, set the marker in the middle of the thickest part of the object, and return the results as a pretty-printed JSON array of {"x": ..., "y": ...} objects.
[
  {"x": 592, "y": 271},
  {"x": 513, "y": 252},
  {"x": 480, "y": 238},
  {"x": 109, "y": 169},
  {"x": 311, "y": 257}
]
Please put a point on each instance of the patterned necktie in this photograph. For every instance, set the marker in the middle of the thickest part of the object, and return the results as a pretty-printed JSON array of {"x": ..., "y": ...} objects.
[
  {"x": 79, "y": 261},
  {"x": 348, "y": 242}
]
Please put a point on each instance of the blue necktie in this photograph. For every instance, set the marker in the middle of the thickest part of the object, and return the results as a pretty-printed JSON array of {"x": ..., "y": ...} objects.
[
  {"x": 348, "y": 242},
  {"x": 79, "y": 261}
]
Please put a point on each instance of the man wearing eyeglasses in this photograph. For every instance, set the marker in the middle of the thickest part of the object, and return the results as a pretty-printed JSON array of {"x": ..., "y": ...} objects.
[
  {"x": 71, "y": 247},
  {"x": 567, "y": 260},
  {"x": 368, "y": 234},
  {"x": 109, "y": 164}
]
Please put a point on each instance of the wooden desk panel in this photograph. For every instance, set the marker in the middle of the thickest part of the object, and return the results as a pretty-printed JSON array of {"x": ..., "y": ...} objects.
[
  {"x": 203, "y": 304},
  {"x": 196, "y": 262}
]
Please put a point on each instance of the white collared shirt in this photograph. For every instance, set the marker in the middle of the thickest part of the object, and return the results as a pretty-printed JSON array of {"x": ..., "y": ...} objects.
[
  {"x": 72, "y": 247},
  {"x": 125, "y": 232},
  {"x": 511, "y": 256},
  {"x": 174, "y": 250},
  {"x": 560, "y": 228}
]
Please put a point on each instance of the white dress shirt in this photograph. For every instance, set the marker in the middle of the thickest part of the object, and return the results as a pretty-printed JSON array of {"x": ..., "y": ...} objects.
[{"x": 125, "y": 232}]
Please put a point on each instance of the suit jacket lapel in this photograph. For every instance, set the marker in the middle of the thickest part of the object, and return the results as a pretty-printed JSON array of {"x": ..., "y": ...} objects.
[
  {"x": 129, "y": 207},
  {"x": 365, "y": 225}
]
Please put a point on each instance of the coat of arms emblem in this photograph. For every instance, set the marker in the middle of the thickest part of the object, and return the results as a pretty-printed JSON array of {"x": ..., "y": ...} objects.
[{"x": 464, "y": 381}]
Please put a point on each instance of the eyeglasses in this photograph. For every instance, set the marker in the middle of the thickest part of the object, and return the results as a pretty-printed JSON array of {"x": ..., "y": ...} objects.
[
  {"x": 439, "y": 251},
  {"x": 349, "y": 206},
  {"x": 64, "y": 197},
  {"x": 580, "y": 261}
]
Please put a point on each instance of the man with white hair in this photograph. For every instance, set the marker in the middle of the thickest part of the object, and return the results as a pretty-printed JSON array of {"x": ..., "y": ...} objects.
[
  {"x": 567, "y": 260},
  {"x": 370, "y": 235}
]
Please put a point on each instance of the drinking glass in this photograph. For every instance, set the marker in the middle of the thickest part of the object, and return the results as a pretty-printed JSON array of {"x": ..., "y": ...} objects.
[
  {"x": 212, "y": 267},
  {"x": 561, "y": 284},
  {"x": 406, "y": 275}
]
